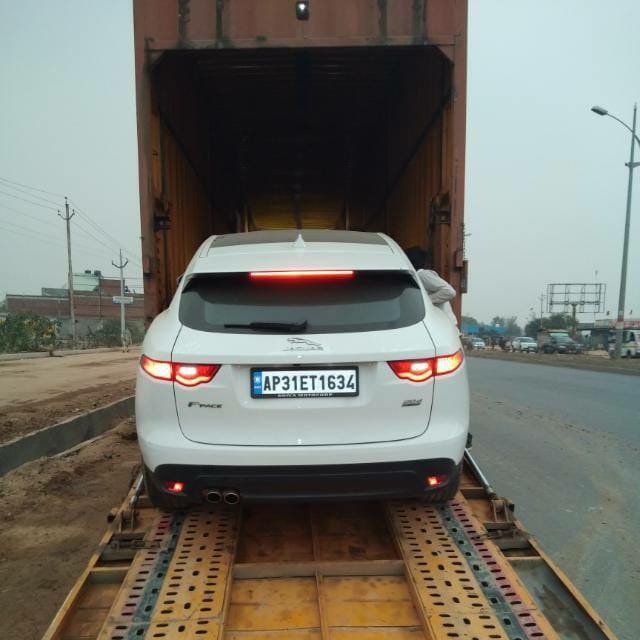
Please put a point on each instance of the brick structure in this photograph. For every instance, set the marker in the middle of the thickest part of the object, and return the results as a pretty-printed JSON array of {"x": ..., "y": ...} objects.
[{"x": 93, "y": 303}]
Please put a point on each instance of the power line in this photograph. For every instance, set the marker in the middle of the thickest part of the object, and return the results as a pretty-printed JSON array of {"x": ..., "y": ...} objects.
[
  {"x": 33, "y": 234},
  {"x": 100, "y": 229},
  {"x": 28, "y": 215},
  {"x": 86, "y": 248},
  {"x": 26, "y": 186},
  {"x": 52, "y": 224},
  {"x": 37, "y": 204},
  {"x": 32, "y": 195},
  {"x": 30, "y": 235},
  {"x": 88, "y": 233},
  {"x": 82, "y": 214}
]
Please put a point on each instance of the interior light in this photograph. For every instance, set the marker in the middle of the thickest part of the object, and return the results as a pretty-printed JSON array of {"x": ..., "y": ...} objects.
[{"x": 302, "y": 9}]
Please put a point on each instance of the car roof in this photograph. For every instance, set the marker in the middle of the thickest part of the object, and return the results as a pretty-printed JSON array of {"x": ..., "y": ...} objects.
[{"x": 299, "y": 249}]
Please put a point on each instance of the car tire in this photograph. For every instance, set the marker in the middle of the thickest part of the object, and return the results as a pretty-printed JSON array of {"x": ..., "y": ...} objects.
[
  {"x": 160, "y": 499},
  {"x": 448, "y": 493}
]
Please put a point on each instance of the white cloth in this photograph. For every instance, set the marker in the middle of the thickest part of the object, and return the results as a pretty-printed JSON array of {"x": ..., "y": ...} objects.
[{"x": 440, "y": 292}]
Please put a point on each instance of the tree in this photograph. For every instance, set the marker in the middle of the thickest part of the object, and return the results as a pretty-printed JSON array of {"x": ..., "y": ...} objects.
[
  {"x": 511, "y": 327},
  {"x": 108, "y": 335},
  {"x": 557, "y": 321},
  {"x": 509, "y": 324},
  {"x": 554, "y": 321},
  {"x": 469, "y": 320},
  {"x": 532, "y": 327}
]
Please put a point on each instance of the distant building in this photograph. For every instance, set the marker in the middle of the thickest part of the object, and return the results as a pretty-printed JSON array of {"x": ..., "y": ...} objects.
[
  {"x": 481, "y": 329},
  {"x": 93, "y": 302},
  {"x": 601, "y": 332}
]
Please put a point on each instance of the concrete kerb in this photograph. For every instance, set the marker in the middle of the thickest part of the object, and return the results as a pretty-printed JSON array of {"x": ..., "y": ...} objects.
[{"x": 59, "y": 437}]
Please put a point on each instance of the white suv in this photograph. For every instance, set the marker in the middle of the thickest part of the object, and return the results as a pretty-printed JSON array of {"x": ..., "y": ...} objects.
[{"x": 301, "y": 365}]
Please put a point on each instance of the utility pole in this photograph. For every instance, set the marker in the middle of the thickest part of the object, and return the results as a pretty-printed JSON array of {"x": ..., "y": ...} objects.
[
  {"x": 72, "y": 312},
  {"x": 617, "y": 353},
  {"x": 541, "y": 297},
  {"x": 121, "y": 265},
  {"x": 625, "y": 246}
]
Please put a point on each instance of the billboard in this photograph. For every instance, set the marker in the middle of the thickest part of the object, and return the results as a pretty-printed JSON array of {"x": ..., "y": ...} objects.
[{"x": 576, "y": 297}]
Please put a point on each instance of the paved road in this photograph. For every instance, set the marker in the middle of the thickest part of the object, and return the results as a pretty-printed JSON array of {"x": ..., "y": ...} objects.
[{"x": 564, "y": 445}]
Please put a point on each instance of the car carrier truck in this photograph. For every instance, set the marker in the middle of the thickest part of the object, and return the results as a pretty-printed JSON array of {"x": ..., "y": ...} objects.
[{"x": 319, "y": 114}]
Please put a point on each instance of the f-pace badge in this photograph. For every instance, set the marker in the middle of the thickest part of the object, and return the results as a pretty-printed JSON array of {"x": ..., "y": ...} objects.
[
  {"x": 204, "y": 405},
  {"x": 302, "y": 344}
]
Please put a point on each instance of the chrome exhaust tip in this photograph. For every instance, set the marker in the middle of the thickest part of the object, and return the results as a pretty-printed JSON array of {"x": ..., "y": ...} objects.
[
  {"x": 213, "y": 496},
  {"x": 231, "y": 497}
]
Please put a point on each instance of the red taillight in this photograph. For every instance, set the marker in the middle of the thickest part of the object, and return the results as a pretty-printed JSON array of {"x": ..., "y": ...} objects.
[
  {"x": 156, "y": 368},
  {"x": 191, "y": 375},
  {"x": 422, "y": 369},
  {"x": 414, "y": 370},
  {"x": 174, "y": 487},
  {"x": 436, "y": 481},
  {"x": 188, "y": 375},
  {"x": 448, "y": 364},
  {"x": 296, "y": 275}
]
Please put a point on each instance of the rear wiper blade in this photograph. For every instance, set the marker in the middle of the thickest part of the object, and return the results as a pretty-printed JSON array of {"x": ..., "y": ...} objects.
[{"x": 290, "y": 327}]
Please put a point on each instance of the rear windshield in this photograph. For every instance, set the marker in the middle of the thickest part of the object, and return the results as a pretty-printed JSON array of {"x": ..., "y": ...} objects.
[{"x": 367, "y": 301}]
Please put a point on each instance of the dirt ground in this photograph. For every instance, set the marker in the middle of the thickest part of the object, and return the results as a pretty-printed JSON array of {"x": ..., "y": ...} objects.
[
  {"x": 629, "y": 366},
  {"x": 52, "y": 516},
  {"x": 37, "y": 393}
]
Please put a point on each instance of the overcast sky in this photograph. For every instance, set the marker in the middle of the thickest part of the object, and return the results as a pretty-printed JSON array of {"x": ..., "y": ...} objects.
[{"x": 546, "y": 181}]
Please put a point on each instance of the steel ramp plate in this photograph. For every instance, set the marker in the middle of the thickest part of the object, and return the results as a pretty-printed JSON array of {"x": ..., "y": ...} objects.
[
  {"x": 176, "y": 588},
  {"x": 460, "y": 585},
  {"x": 181, "y": 585}
]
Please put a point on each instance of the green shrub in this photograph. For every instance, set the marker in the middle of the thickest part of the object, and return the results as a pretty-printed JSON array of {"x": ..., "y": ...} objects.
[{"x": 26, "y": 331}]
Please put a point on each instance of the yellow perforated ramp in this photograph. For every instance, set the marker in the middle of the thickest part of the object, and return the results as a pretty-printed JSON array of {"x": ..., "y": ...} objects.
[{"x": 401, "y": 570}]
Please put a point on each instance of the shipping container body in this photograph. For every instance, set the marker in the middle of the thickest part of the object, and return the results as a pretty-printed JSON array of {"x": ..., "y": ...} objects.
[{"x": 249, "y": 118}]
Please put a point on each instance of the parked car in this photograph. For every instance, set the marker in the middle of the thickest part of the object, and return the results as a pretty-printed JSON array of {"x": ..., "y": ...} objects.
[
  {"x": 477, "y": 343},
  {"x": 557, "y": 341},
  {"x": 300, "y": 365},
  {"x": 524, "y": 344}
]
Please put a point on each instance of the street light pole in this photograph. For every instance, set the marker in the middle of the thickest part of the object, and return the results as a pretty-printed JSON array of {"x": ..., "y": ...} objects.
[{"x": 625, "y": 247}]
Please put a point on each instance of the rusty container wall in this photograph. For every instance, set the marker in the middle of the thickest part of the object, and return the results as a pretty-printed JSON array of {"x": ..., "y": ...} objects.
[{"x": 405, "y": 174}]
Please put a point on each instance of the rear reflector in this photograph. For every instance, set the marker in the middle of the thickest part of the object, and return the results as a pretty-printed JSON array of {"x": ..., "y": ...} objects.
[
  {"x": 174, "y": 487},
  {"x": 422, "y": 369},
  {"x": 295, "y": 275},
  {"x": 436, "y": 481},
  {"x": 188, "y": 375}
]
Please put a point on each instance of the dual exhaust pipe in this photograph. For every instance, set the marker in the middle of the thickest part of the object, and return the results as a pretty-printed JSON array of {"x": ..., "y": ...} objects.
[{"x": 213, "y": 496}]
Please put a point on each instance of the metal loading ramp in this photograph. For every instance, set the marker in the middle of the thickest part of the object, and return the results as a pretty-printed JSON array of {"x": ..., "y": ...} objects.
[{"x": 400, "y": 570}]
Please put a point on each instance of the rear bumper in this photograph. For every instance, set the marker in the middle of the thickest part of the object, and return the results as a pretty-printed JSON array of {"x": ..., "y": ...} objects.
[{"x": 405, "y": 479}]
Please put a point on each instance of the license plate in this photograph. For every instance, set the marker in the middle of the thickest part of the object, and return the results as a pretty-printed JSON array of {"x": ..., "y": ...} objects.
[{"x": 304, "y": 383}]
